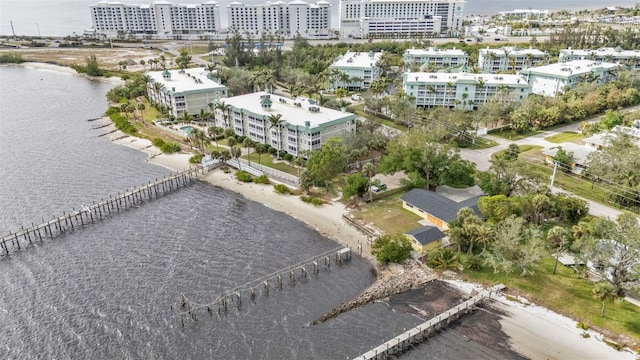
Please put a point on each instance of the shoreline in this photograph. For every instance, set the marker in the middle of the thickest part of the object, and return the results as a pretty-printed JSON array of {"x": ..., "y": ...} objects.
[{"x": 68, "y": 70}]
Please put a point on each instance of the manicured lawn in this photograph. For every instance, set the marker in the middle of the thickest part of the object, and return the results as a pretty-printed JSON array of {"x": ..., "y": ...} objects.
[
  {"x": 513, "y": 135},
  {"x": 567, "y": 294},
  {"x": 268, "y": 160},
  {"x": 567, "y": 136},
  {"x": 388, "y": 215}
]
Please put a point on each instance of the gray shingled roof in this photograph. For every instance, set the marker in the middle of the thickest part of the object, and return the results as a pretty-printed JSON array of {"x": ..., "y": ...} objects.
[
  {"x": 426, "y": 234},
  {"x": 438, "y": 205}
]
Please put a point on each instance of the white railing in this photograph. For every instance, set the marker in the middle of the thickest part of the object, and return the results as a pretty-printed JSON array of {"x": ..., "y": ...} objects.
[{"x": 271, "y": 172}]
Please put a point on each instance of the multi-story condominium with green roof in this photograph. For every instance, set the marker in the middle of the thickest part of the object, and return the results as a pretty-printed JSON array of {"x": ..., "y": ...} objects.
[
  {"x": 549, "y": 80},
  {"x": 293, "y": 125},
  {"x": 189, "y": 90},
  {"x": 462, "y": 90},
  {"x": 445, "y": 14},
  {"x": 355, "y": 70},
  {"x": 509, "y": 59},
  {"x": 434, "y": 57},
  {"x": 630, "y": 58}
]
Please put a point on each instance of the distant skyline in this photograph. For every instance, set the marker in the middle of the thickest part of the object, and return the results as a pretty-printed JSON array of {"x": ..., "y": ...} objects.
[{"x": 64, "y": 17}]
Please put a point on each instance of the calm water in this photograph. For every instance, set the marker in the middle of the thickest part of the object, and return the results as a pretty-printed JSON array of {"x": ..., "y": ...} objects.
[
  {"x": 106, "y": 291},
  {"x": 64, "y": 17}
]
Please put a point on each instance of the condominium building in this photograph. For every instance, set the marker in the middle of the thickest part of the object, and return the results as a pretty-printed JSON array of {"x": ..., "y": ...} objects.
[
  {"x": 435, "y": 57},
  {"x": 549, "y": 80},
  {"x": 408, "y": 18},
  {"x": 158, "y": 20},
  {"x": 526, "y": 14},
  {"x": 301, "y": 123},
  {"x": 630, "y": 58},
  {"x": 355, "y": 70},
  {"x": 188, "y": 90},
  {"x": 509, "y": 59},
  {"x": 279, "y": 18},
  {"x": 462, "y": 90}
]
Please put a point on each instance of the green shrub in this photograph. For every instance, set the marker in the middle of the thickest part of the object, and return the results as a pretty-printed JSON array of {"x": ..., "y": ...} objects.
[
  {"x": 122, "y": 123},
  {"x": 243, "y": 176},
  {"x": 196, "y": 159},
  {"x": 282, "y": 153},
  {"x": 170, "y": 148},
  {"x": 586, "y": 335},
  {"x": 11, "y": 58},
  {"x": 583, "y": 326},
  {"x": 272, "y": 151},
  {"x": 305, "y": 198},
  {"x": 262, "y": 179},
  {"x": 288, "y": 157},
  {"x": 317, "y": 201},
  {"x": 614, "y": 345},
  {"x": 157, "y": 142},
  {"x": 281, "y": 189},
  {"x": 112, "y": 110}
]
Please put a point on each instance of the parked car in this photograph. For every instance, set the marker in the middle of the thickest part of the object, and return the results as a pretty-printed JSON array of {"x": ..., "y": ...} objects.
[{"x": 378, "y": 188}]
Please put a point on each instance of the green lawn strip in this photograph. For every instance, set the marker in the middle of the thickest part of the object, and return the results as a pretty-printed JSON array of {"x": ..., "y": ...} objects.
[
  {"x": 388, "y": 215},
  {"x": 268, "y": 161},
  {"x": 566, "y": 136},
  {"x": 568, "y": 294},
  {"x": 513, "y": 135}
]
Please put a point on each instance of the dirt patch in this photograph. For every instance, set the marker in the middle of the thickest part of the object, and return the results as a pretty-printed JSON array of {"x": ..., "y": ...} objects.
[{"x": 107, "y": 58}]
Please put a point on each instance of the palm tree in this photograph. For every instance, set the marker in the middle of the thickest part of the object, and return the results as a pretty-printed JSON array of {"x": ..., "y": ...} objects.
[
  {"x": 141, "y": 107},
  {"x": 558, "y": 237},
  {"x": 158, "y": 88},
  {"x": 186, "y": 117},
  {"x": 605, "y": 292},
  {"x": 260, "y": 149},
  {"x": 248, "y": 144},
  {"x": 275, "y": 120},
  {"x": 369, "y": 171},
  {"x": 214, "y": 132},
  {"x": 236, "y": 153},
  {"x": 225, "y": 108}
]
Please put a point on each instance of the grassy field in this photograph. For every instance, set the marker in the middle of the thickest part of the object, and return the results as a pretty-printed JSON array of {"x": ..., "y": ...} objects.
[
  {"x": 359, "y": 110},
  {"x": 388, "y": 215},
  {"x": 268, "y": 160},
  {"x": 566, "y": 136},
  {"x": 513, "y": 135},
  {"x": 568, "y": 294}
]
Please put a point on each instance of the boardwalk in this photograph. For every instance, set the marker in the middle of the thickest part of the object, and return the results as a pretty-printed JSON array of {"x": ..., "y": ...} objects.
[
  {"x": 90, "y": 213},
  {"x": 421, "y": 332}
]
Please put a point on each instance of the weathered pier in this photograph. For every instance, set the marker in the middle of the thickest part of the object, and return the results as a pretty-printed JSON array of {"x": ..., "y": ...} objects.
[
  {"x": 423, "y": 331},
  {"x": 91, "y": 213},
  {"x": 304, "y": 269}
]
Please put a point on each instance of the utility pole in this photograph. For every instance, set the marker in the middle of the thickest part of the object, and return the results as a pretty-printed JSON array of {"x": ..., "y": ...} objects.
[
  {"x": 553, "y": 176},
  {"x": 12, "y": 30},
  {"x": 38, "y": 26}
]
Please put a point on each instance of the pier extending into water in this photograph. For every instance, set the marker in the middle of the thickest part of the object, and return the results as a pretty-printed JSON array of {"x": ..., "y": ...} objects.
[
  {"x": 276, "y": 279},
  {"x": 97, "y": 210},
  {"x": 425, "y": 330}
]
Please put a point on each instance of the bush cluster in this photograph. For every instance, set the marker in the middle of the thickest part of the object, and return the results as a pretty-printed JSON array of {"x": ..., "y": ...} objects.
[
  {"x": 196, "y": 159},
  {"x": 262, "y": 179},
  {"x": 170, "y": 148},
  {"x": 11, "y": 58},
  {"x": 122, "y": 123},
  {"x": 243, "y": 176},
  {"x": 312, "y": 200},
  {"x": 583, "y": 326},
  {"x": 281, "y": 189}
]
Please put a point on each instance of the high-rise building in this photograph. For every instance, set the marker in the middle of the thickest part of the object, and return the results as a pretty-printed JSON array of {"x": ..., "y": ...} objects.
[
  {"x": 282, "y": 19},
  {"x": 392, "y": 16},
  {"x": 158, "y": 20}
]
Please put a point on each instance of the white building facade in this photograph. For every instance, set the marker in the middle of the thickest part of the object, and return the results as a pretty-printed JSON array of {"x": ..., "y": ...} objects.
[
  {"x": 281, "y": 19},
  {"x": 526, "y": 14},
  {"x": 355, "y": 70},
  {"x": 435, "y": 57},
  {"x": 303, "y": 124},
  {"x": 509, "y": 59},
  {"x": 158, "y": 20},
  {"x": 630, "y": 58},
  {"x": 549, "y": 80},
  {"x": 462, "y": 90},
  {"x": 189, "y": 90},
  {"x": 436, "y": 16}
]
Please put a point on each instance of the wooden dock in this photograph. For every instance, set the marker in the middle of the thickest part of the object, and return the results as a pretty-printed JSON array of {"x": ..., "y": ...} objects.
[
  {"x": 91, "y": 213},
  {"x": 423, "y": 331},
  {"x": 264, "y": 283}
]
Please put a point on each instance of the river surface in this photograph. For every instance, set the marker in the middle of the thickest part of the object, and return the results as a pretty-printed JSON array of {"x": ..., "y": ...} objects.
[
  {"x": 106, "y": 291},
  {"x": 66, "y": 17}
]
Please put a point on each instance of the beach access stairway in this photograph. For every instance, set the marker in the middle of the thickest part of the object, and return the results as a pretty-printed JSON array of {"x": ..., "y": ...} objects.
[
  {"x": 423, "y": 331},
  {"x": 91, "y": 213}
]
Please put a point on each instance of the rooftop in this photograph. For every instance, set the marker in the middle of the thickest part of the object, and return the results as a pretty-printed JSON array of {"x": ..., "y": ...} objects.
[
  {"x": 291, "y": 113},
  {"x": 435, "y": 51},
  {"x": 580, "y": 153},
  {"x": 513, "y": 51},
  {"x": 426, "y": 234},
  {"x": 488, "y": 79},
  {"x": 187, "y": 80},
  {"x": 357, "y": 60},
  {"x": 569, "y": 68},
  {"x": 438, "y": 205},
  {"x": 618, "y": 51}
]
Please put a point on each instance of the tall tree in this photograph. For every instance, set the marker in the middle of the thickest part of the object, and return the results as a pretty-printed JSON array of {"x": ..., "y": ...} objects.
[
  {"x": 369, "y": 170},
  {"x": 326, "y": 163},
  {"x": 605, "y": 292},
  {"x": 184, "y": 59}
]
